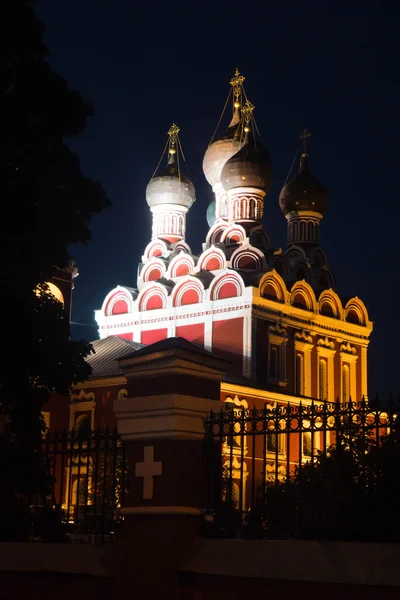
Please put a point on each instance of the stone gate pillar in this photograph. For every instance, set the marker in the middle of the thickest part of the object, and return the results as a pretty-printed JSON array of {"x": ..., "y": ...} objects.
[{"x": 172, "y": 386}]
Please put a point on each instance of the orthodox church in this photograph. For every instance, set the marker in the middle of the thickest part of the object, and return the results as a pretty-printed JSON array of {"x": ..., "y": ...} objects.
[{"x": 272, "y": 312}]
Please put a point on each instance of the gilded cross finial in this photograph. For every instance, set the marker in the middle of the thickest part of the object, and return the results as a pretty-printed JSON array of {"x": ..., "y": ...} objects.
[
  {"x": 236, "y": 83},
  {"x": 173, "y": 137},
  {"x": 304, "y": 136},
  {"x": 173, "y": 134},
  {"x": 247, "y": 111}
]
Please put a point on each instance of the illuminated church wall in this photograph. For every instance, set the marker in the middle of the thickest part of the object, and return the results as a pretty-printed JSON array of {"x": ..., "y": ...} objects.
[{"x": 273, "y": 312}]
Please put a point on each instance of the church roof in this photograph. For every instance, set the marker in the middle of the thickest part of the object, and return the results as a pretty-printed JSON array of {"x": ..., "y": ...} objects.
[
  {"x": 169, "y": 344},
  {"x": 108, "y": 351}
]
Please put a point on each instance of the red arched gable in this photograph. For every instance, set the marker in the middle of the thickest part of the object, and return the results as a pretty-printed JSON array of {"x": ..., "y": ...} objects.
[
  {"x": 227, "y": 290},
  {"x": 247, "y": 262},
  {"x": 154, "y": 274},
  {"x": 234, "y": 237},
  {"x": 190, "y": 297},
  {"x": 120, "y": 307},
  {"x": 212, "y": 264},
  {"x": 182, "y": 269},
  {"x": 217, "y": 236},
  {"x": 154, "y": 302}
]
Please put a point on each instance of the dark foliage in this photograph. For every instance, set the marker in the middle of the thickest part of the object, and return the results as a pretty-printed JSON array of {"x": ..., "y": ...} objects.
[
  {"x": 347, "y": 493},
  {"x": 350, "y": 493},
  {"x": 47, "y": 205}
]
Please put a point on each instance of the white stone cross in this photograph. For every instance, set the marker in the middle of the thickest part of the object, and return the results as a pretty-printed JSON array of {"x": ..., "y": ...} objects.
[{"x": 148, "y": 469}]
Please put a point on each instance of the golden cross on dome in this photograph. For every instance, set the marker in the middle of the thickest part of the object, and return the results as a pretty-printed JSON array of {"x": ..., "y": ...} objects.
[
  {"x": 305, "y": 134},
  {"x": 173, "y": 133},
  {"x": 237, "y": 82},
  {"x": 173, "y": 137},
  {"x": 247, "y": 111}
]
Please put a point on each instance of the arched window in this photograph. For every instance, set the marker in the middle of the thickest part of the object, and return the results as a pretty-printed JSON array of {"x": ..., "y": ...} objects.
[
  {"x": 299, "y": 371},
  {"x": 55, "y": 291},
  {"x": 300, "y": 302},
  {"x": 82, "y": 428},
  {"x": 322, "y": 375},
  {"x": 327, "y": 310},
  {"x": 352, "y": 317},
  {"x": 345, "y": 383}
]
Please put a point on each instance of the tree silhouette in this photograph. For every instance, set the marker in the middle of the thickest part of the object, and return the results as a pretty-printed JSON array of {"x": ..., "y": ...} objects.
[
  {"x": 47, "y": 205},
  {"x": 349, "y": 493}
]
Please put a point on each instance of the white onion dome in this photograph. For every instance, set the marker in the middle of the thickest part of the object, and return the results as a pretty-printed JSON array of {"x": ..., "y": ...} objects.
[
  {"x": 221, "y": 150},
  {"x": 250, "y": 167},
  {"x": 170, "y": 186}
]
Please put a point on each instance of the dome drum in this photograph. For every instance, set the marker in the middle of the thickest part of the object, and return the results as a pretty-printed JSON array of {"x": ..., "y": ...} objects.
[{"x": 245, "y": 205}]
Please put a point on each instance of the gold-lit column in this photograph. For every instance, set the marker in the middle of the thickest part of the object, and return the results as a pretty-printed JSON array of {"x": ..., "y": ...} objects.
[
  {"x": 328, "y": 354},
  {"x": 305, "y": 349},
  {"x": 349, "y": 358},
  {"x": 277, "y": 338},
  {"x": 364, "y": 373}
]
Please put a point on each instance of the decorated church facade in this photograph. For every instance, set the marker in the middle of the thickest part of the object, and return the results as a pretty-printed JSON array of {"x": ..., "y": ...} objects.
[{"x": 272, "y": 312}]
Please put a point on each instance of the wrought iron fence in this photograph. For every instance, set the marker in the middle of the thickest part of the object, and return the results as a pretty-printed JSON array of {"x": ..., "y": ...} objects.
[
  {"x": 85, "y": 475},
  {"x": 253, "y": 450}
]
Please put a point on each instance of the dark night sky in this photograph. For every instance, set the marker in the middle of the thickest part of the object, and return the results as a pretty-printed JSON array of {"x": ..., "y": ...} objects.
[{"x": 335, "y": 74}]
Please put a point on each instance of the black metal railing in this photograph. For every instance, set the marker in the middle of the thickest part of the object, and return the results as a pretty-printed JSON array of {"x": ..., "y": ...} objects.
[
  {"x": 85, "y": 474},
  {"x": 252, "y": 451}
]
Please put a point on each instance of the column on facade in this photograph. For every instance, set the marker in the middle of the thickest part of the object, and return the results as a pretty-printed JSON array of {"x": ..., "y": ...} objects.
[
  {"x": 326, "y": 373},
  {"x": 348, "y": 374},
  {"x": 364, "y": 373},
  {"x": 303, "y": 346},
  {"x": 277, "y": 346}
]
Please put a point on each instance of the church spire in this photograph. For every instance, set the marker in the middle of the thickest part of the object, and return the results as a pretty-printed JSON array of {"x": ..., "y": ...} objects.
[
  {"x": 237, "y": 89},
  {"x": 170, "y": 193},
  {"x": 303, "y": 201},
  {"x": 304, "y": 137}
]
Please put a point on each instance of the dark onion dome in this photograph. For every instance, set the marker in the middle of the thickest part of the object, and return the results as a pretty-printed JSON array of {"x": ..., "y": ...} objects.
[
  {"x": 250, "y": 167},
  {"x": 170, "y": 186},
  {"x": 211, "y": 218},
  {"x": 221, "y": 150},
  {"x": 303, "y": 193}
]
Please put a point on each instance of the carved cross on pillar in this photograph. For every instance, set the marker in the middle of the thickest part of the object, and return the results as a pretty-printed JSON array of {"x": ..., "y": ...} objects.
[{"x": 148, "y": 469}]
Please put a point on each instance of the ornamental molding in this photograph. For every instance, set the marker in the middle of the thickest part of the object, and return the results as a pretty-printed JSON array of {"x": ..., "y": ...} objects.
[
  {"x": 278, "y": 330},
  {"x": 264, "y": 311},
  {"x": 348, "y": 349},
  {"x": 123, "y": 393},
  {"x": 83, "y": 397},
  {"x": 326, "y": 343},
  {"x": 303, "y": 336}
]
